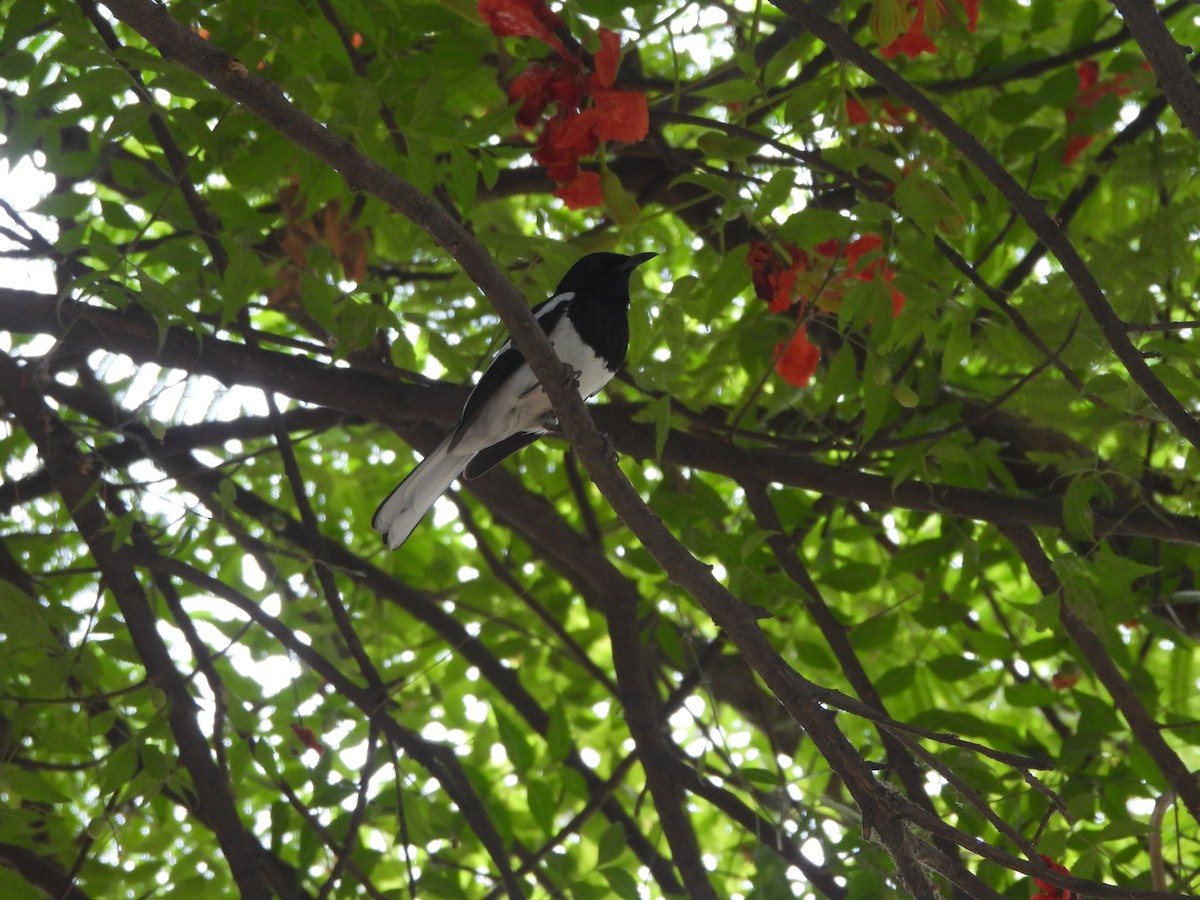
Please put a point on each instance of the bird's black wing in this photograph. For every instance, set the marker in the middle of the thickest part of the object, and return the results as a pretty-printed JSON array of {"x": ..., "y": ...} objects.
[
  {"x": 487, "y": 458},
  {"x": 509, "y": 359}
]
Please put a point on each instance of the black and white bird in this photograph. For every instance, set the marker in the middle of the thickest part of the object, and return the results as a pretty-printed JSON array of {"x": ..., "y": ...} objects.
[{"x": 587, "y": 321}]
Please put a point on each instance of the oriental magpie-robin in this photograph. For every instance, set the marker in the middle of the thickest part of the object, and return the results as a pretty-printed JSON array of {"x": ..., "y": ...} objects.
[{"x": 587, "y": 321}]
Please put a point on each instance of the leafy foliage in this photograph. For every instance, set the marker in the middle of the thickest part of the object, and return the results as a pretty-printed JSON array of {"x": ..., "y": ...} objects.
[{"x": 916, "y": 405}]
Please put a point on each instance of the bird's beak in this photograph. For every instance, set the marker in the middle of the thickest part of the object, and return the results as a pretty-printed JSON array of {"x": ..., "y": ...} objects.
[{"x": 637, "y": 259}]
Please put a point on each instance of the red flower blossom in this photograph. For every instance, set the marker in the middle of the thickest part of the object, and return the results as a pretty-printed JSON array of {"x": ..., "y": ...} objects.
[
  {"x": 308, "y": 739},
  {"x": 522, "y": 18},
  {"x": 854, "y": 251},
  {"x": 888, "y": 112},
  {"x": 971, "y": 7},
  {"x": 784, "y": 285},
  {"x": 799, "y": 359},
  {"x": 581, "y": 192},
  {"x": 539, "y": 86},
  {"x": 775, "y": 280},
  {"x": 914, "y": 41},
  {"x": 607, "y": 58},
  {"x": 1091, "y": 90},
  {"x": 563, "y": 141},
  {"x": 856, "y": 113},
  {"x": 1048, "y": 891},
  {"x": 621, "y": 116},
  {"x": 1068, "y": 675},
  {"x": 588, "y": 108},
  {"x": 1061, "y": 682}
]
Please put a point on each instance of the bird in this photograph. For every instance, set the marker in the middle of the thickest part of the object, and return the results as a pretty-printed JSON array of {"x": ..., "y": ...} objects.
[{"x": 587, "y": 322}]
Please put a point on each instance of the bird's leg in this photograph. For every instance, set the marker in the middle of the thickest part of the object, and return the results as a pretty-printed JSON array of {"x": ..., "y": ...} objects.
[
  {"x": 610, "y": 451},
  {"x": 550, "y": 422},
  {"x": 571, "y": 376}
]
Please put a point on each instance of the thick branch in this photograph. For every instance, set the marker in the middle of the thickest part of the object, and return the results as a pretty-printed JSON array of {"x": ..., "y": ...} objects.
[
  {"x": 1166, "y": 57},
  {"x": 399, "y": 405},
  {"x": 1145, "y": 729}
]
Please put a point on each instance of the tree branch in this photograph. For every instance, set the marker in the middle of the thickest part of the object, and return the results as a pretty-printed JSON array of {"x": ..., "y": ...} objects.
[
  {"x": 1166, "y": 57},
  {"x": 1145, "y": 729}
]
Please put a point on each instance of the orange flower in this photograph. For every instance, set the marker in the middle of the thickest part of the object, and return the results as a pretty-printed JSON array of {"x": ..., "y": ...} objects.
[
  {"x": 1091, "y": 90},
  {"x": 588, "y": 108},
  {"x": 1049, "y": 891},
  {"x": 621, "y": 116},
  {"x": 914, "y": 41},
  {"x": 539, "y": 86},
  {"x": 855, "y": 250},
  {"x": 799, "y": 359},
  {"x": 889, "y": 113},
  {"x": 308, "y": 739},
  {"x": 607, "y": 58},
  {"x": 784, "y": 286},
  {"x": 775, "y": 280},
  {"x": 563, "y": 141},
  {"x": 582, "y": 191},
  {"x": 856, "y": 113},
  {"x": 522, "y": 18}
]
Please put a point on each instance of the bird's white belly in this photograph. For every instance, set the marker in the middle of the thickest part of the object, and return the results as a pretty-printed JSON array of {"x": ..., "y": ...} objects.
[{"x": 520, "y": 404}]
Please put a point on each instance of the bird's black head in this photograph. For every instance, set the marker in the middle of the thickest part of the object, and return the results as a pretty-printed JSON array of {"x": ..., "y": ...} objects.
[{"x": 602, "y": 273}]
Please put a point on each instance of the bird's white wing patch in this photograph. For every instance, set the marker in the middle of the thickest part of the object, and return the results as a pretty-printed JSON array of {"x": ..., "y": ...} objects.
[
  {"x": 542, "y": 309},
  {"x": 519, "y": 404}
]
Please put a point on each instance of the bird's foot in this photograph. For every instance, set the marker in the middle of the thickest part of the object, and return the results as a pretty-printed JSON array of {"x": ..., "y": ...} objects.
[
  {"x": 571, "y": 376},
  {"x": 610, "y": 451}
]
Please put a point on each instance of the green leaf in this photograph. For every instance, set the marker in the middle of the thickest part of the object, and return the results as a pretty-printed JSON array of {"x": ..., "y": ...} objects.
[
  {"x": 619, "y": 202},
  {"x": 660, "y": 410},
  {"x": 14, "y": 887},
  {"x": 118, "y": 769},
  {"x": 852, "y": 577},
  {"x": 722, "y": 146},
  {"x": 953, "y": 668},
  {"x": 874, "y": 632},
  {"x": 623, "y": 884},
  {"x": 896, "y": 680},
  {"x": 32, "y": 787},
  {"x": 558, "y": 733},
  {"x": 775, "y": 193},
  {"x": 542, "y": 804},
  {"x": 515, "y": 741},
  {"x": 1030, "y": 694},
  {"x": 612, "y": 844},
  {"x": 1077, "y": 507}
]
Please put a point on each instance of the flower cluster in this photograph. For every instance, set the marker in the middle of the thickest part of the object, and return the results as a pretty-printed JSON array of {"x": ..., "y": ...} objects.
[
  {"x": 1048, "y": 891},
  {"x": 887, "y": 113},
  {"x": 803, "y": 280},
  {"x": 1091, "y": 90},
  {"x": 587, "y": 108},
  {"x": 901, "y": 25},
  {"x": 1067, "y": 676}
]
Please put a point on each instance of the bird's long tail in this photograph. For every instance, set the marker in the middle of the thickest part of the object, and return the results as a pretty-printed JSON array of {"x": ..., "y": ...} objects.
[{"x": 404, "y": 507}]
